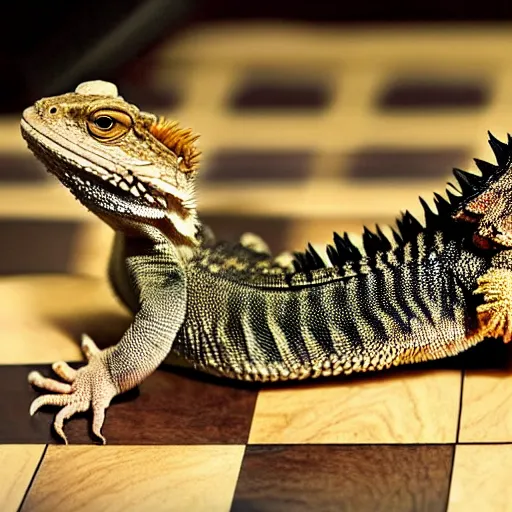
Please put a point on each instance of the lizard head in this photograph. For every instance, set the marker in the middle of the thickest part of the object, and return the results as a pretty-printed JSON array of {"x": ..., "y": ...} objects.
[
  {"x": 491, "y": 212},
  {"x": 489, "y": 206},
  {"x": 129, "y": 167}
]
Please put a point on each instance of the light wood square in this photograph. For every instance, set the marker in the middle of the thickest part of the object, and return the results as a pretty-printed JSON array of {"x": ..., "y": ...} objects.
[
  {"x": 401, "y": 408},
  {"x": 486, "y": 407},
  {"x": 481, "y": 479},
  {"x": 17, "y": 466},
  {"x": 43, "y": 317},
  {"x": 133, "y": 478}
]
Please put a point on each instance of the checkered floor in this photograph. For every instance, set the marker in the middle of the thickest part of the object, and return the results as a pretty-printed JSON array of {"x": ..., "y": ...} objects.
[
  {"x": 413, "y": 439},
  {"x": 304, "y": 131}
]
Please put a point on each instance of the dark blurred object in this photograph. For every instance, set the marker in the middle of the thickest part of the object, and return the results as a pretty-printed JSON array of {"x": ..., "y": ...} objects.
[
  {"x": 29, "y": 237},
  {"x": 404, "y": 164},
  {"x": 262, "y": 91},
  {"x": 408, "y": 94},
  {"x": 15, "y": 169},
  {"x": 251, "y": 166},
  {"x": 370, "y": 11},
  {"x": 48, "y": 47}
]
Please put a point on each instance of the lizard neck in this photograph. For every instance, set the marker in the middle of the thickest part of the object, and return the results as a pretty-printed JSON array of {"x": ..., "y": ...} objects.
[{"x": 159, "y": 233}]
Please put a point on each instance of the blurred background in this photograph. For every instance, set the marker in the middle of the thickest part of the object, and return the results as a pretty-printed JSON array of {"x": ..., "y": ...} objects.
[{"x": 314, "y": 116}]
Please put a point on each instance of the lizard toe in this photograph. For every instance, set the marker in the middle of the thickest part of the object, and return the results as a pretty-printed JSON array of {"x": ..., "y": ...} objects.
[
  {"x": 89, "y": 348},
  {"x": 38, "y": 380},
  {"x": 43, "y": 400},
  {"x": 97, "y": 422},
  {"x": 64, "y": 371},
  {"x": 66, "y": 413}
]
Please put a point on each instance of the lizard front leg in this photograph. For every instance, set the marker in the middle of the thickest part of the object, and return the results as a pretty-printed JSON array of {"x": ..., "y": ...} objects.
[
  {"x": 117, "y": 369},
  {"x": 495, "y": 314}
]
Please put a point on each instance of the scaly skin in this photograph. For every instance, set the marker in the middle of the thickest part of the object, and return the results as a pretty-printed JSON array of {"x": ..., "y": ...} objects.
[{"x": 232, "y": 309}]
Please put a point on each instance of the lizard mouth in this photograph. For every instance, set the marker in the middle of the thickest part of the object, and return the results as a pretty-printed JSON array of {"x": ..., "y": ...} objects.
[{"x": 90, "y": 181}]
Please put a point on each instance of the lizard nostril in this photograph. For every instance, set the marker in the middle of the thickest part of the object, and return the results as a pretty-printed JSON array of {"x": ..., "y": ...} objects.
[{"x": 53, "y": 110}]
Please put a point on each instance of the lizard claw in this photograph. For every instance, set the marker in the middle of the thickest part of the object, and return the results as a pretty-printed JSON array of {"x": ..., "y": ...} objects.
[
  {"x": 89, "y": 387},
  {"x": 66, "y": 413},
  {"x": 97, "y": 422}
]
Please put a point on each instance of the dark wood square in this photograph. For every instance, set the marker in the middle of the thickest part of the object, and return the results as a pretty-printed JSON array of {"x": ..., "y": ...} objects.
[
  {"x": 334, "y": 478},
  {"x": 278, "y": 92},
  {"x": 37, "y": 246},
  {"x": 251, "y": 165},
  {"x": 378, "y": 163},
  {"x": 168, "y": 408},
  {"x": 423, "y": 94},
  {"x": 16, "y": 168}
]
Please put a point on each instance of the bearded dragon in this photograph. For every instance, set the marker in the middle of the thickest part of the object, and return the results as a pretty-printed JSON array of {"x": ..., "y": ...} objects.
[{"x": 231, "y": 309}]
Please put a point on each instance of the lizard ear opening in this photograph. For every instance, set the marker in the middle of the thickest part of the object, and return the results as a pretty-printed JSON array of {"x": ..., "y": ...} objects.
[{"x": 181, "y": 141}]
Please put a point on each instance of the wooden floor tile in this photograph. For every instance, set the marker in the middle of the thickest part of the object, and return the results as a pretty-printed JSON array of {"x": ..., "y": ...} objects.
[
  {"x": 255, "y": 166},
  {"x": 344, "y": 478},
  {"x": 263, "y": 91},
  {"x": 403, "y": 407},
  {"x": 43, "y": 317},
  {"x": 167, "y": 408},
  {"x": 92, "y": 250},
  {"x": 29, "y": 249},
  {"x": 31, "y": 341},
  {"x": 17, "y": 466},
  {"x": 16, "y": 425},
  {"x": 20, "y": 167},
  {"x": 487, "y": 406},
  {"x": 183, "y": 409},
  {"x": 134, "y": 478},
  {"x": 405, "y": 164},
  {"x": 481, "y": 479},
  {"x": 421, "y": 93}
]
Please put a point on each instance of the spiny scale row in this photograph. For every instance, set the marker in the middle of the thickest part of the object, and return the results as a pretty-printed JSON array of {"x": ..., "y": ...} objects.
[{"x": 407, "y": 226}]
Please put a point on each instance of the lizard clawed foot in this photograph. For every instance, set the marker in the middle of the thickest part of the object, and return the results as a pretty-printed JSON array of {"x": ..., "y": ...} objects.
[
  {"x": 495, "y": 315},
  {"x": 88, "y": 387}
]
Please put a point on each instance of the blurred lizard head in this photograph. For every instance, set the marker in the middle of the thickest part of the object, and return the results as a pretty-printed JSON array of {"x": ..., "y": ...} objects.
[{"x": 129, "y": 167}]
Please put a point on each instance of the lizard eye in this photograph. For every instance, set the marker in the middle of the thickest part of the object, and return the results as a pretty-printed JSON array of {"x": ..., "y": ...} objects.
[
  {"x": 108, "y": 125},
  {"x": 104, "y": 122}
]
